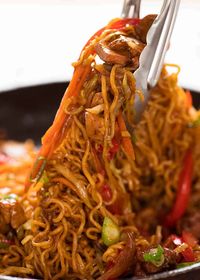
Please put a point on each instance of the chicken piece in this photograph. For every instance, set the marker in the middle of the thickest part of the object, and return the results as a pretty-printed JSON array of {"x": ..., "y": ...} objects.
[
  {"x": 170, "y": 259},
  {"x": 120, "y": 49},
  {"x": 11, "y": 214}
]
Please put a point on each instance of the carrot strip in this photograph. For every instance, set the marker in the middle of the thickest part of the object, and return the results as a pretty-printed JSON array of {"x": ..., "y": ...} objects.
[
  {"x": 52, "y": 137},
  {"x": 55, "y": 133},
  {"x": 97, "y": 162},
  {"x": 188, "y": 98},
  {"x": 126, "y": 141}
]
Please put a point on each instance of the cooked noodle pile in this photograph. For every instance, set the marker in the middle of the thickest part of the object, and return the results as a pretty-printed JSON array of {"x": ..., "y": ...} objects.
[{"x": 96, "y": 166}]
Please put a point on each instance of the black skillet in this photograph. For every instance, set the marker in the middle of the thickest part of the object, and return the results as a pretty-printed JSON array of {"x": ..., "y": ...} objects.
[{"x": 26, "y": 114}]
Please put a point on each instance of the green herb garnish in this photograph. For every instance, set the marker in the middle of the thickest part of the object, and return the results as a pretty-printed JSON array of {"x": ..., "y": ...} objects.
[
  {"x": 155, "y": 256},
  {"x": 195, "y": 123}
]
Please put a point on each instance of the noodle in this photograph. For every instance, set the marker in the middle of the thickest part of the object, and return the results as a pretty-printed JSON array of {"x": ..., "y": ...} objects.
[{"x": 96, "y": 166}]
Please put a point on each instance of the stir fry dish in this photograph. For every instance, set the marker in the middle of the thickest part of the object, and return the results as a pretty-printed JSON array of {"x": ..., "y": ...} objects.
[{"x": 104, "y": 197}]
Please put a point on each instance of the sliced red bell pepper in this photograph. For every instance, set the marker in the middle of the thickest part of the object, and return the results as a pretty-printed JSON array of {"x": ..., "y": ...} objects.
[
  {"x": 121, "y": 23},
  {"x": 114, "y": 149},
  {"x": 117, "y": 207},
  {"x": 118, "y": 24},
  {"x": 188, "y": 255},
  {"x": 183, "y": 192},
  {"x": 188, "y": 238},
  {"x": 174, "y": 240},
  {"x": 106, "y": 193}
]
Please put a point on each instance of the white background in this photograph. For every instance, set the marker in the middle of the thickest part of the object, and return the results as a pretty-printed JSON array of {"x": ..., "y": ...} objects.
[{"x": 40, "y": 39}]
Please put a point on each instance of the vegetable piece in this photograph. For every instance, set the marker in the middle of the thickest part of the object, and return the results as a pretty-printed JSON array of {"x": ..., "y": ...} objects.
[
  {"x": 5, "y": 243},
  {"x": 121, "y": 23},
  {"x": 38, "y": 169},
  {"x": 115, "y": 148},
  {"x": 54, "y": 134},
  {"x": 118, "y": 24},
  {"x": 188, "y": 98},
  {"x": 195, "y": 123},
  {"x": 27, "y": 225},
  {"x": 123, "y": 262},
  {"x": 106, "y": 193},
  {"x": 183, "y": 192},
  {"x": 155, "y": 256},
  {"x": 134, "y": 138},
  {"x": 10, "y": 197},
  {"x": 189, "y": 238},
  {"x": 110, "y": 232},
  {"x": 126, "y": 140},
  {"x": 97, "y": 162},
  {"x": 119, "y": 205},
  {"x": 184, "y": 264},
  {"x": 44, "y": 178},
  {"x": 175, "y": 239},
  {"x": 187, "y": 254}
]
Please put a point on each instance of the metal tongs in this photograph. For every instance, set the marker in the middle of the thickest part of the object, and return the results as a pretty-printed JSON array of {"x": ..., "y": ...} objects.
[{"x": 152, "y": 57}]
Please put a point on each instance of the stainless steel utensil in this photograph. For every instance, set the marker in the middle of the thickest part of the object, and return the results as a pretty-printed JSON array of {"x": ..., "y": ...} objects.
[
  {"x": 152, "y": 57},
  {"x": 131, "y": 8}
]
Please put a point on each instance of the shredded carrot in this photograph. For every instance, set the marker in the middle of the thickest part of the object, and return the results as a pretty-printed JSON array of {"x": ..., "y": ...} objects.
[
  {"x": 126, "y": 140},
  {"x": 97, "y": 162},
  {"x": 52, "y": 137},
  {"x": 55, "y": 133},
  {"x": 188, "y": 98}
]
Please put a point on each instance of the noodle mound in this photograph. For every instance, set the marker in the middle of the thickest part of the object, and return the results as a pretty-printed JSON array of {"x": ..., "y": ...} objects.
[{"x": 97, "y": 166}]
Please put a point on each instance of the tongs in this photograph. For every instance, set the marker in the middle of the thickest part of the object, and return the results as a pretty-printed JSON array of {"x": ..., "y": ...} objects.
[{"x": 152, "y": 57}]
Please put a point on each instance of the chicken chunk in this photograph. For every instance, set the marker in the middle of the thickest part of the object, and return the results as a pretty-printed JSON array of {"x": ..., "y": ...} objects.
[{"x": 11, "y": 214}]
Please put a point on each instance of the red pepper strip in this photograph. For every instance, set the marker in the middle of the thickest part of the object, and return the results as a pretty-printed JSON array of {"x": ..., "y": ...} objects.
[
  {"x": 123, "y": 262},
  {"x": 115, "y": 148},
  {"x": 187, "y": 254},
  {"x": 183, "y": 192},
  {"x": 121, "y": 23},
  {"x": 117, "y": 24},
  {"x": 174, "y": 239},
  {"x": 54, "y": 134},
  {"x": 188, "y": 238},
  {"x": 189, "y": 100},
  {"x": 106, "y": 193},
  {"x": 116, "y": 208}
]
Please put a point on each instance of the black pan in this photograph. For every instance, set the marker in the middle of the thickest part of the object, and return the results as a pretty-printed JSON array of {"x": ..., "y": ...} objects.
[{"x": 26, "y": 114}]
